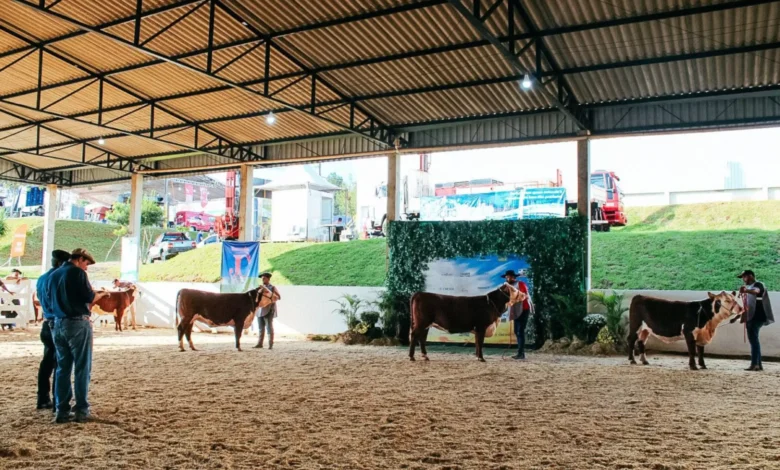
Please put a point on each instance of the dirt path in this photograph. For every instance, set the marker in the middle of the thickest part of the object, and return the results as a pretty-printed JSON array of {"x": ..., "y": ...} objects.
[{"x": 315, "y": 405}]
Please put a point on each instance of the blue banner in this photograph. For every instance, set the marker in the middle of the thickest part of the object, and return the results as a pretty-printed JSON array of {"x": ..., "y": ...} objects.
[
  {"x": 524, "y": 203},
  {"x": 544, "y": 202},
  {"x": 240, "y": 266}
]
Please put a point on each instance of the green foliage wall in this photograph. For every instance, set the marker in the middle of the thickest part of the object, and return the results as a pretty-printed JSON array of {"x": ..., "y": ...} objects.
[{"x": 554, "y": 248}]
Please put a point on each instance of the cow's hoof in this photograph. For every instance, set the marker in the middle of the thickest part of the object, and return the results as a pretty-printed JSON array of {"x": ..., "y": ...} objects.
[
  {"x": 645, "y": 363},
  {"x": 239, "y": 350},
  {"x": 481, "y": 359},
  {"x": 411, "y": 358},
  {"x": 633, "y": 362},
  {"x": 425, "y": 358},
  {"x": 693, "y": 367},
  {"x": 702, "y": 366},
  {"x": 181, "y": 349}
]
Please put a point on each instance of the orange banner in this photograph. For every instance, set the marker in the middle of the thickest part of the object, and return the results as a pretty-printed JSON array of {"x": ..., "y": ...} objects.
[{"x": 18, "y": 241}]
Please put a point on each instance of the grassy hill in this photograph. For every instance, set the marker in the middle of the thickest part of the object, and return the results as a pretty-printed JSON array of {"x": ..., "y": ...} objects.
[
  {"x": 697, "y": 247},
  {"x": 359, "y": 263}
]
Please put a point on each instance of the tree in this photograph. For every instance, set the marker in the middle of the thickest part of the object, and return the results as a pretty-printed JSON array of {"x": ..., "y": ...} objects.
[
  {"x": 345, "y": 201},
  {"x": 151, "y": 214}
]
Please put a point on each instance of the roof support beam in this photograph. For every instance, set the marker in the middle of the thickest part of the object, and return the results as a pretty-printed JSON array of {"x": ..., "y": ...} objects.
[
  {"x": 101, "y": 78},
  {"x": 480, "y": 27},
  {"x": 542, "y": 53},
  {"x": 370, "y": 135},
  {"x": 26, "y": 174}
]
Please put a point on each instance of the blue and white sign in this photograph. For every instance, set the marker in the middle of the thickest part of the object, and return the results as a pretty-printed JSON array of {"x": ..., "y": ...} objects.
[
  {"x": 240, "y": 266},
  {"x": 524, "y": 203},
  {"x": 544, "y": 202}
]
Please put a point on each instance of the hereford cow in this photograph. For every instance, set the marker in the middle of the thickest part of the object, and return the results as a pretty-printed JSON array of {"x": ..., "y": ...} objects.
[
  {"x": 219, "y": 309},
  {"x": 116, "y": 303},
  {"x": 673, "y": 320},
  {"x": 459, "y": 315}
]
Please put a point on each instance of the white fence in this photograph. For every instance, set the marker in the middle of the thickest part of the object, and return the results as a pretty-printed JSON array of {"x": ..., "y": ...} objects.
[
  {"x": 661, "y": 198},
  {"x": 302, "y": 309}
]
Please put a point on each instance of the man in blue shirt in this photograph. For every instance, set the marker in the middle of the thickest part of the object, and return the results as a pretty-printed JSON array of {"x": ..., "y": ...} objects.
[
  {"x": 49, "y": 361},
  {"x": 70, "y": 295}
]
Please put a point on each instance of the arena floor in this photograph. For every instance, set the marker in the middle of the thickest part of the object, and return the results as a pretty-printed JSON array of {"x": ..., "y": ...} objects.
[{"x": 315, "y": 405}]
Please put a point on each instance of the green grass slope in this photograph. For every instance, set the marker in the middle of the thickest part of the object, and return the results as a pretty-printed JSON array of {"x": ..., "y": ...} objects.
[
  {"x": 691, "y": 247},
  {"x": 69, "y": 234},
  {"x": 358, "y": 263}
]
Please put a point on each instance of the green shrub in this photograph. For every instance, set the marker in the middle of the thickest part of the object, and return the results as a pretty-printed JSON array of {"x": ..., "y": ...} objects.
[
  {"x": 594, "y": 322},
  {"x": 571, "y": 314},
  {"x": 614, "y": 313}
]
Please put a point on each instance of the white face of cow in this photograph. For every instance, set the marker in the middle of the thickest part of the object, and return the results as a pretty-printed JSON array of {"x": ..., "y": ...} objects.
[
  {"x": 725, "y": 305},
  {"x": 515, "y": 296}
]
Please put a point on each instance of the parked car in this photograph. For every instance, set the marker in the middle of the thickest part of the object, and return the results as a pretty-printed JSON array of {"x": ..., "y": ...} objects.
[
  {"x": 168, "y": 245},
  {"x": 208, "y": 241}
]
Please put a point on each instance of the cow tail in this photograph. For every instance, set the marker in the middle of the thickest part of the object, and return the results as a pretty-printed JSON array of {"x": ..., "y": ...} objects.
[{"x": 176, "y": 313}]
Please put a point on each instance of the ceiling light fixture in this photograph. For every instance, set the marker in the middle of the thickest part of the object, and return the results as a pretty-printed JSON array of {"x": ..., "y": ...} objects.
[
  {"x": 101, "y": 141},
  {"x": 270, "y": 119},
  {"x": 526, "y": 83}
]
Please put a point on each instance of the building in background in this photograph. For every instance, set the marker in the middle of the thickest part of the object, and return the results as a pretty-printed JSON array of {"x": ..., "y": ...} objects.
[
  {"x": 302, "y": 205},
  {"x": 735, "y": 179}
]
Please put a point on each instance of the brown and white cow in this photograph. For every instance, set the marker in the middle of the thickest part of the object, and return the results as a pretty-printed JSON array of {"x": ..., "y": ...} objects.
[
  {"x": 116, "y": 303},
  {"x": 670, "y": 321},
  {"x": 219, "y": 309},
  {"x": 459, "y": 315}
]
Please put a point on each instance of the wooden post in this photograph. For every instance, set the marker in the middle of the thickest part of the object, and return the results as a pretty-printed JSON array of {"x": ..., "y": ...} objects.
[
  {"x": 246, "y": 223},
  {"x": 49, "y": 218},
  {"x": 583, "y": 197}
]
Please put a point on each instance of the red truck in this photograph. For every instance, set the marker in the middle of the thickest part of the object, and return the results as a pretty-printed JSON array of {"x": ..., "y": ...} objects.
[
  {"x": 199, "y": 221},
  {"x": 614, "y": 211}
]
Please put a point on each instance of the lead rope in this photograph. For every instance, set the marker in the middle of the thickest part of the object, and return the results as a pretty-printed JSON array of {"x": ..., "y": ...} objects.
[{"x": 744, "y": 325}]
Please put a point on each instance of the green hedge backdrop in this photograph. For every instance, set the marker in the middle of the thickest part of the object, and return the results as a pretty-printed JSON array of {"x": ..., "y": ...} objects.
[{"x": 554, "y": 248}]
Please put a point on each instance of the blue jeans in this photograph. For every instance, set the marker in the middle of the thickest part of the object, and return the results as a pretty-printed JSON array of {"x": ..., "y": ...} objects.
[
  {"x": 73, "y": 340},
  {"x": 48, "y": 365},
  {"x": 753, "y": 328},
  {"x": 267, "y": 323},
  {"x": 520, "y": 324}
]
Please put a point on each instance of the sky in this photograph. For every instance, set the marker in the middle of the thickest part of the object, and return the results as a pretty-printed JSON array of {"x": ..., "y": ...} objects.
[{"x": 679, "y": 162}]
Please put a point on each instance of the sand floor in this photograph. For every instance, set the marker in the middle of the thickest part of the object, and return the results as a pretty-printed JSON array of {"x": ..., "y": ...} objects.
[{"x": 316, "y": 405}]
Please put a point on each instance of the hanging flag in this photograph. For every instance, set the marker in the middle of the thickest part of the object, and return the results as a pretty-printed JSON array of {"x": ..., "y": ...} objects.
[
  {"x": 188, "y": 192},
  {"x": 18, "y": 241},
  {"x": 240, "y": 265},
  {"x": 204, "y": 197}
]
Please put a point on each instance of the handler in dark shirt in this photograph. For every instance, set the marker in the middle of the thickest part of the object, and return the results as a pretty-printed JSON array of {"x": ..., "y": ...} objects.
[
  {"x": 759, "y": 313},
  {"x": 71, "y": 296},
  {"x": 49, "y": 361}
]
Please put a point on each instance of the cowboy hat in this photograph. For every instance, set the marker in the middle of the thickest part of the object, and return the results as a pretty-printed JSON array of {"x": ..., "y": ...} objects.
[
  {"x": 509, "y": 273},
  {"x": 82, "y": 253},
  {"x": 268, "y": 275}
]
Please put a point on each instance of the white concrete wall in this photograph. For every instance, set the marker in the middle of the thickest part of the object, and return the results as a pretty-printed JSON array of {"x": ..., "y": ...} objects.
[
  {"x": 661, "y": 198},
  {"x": 302, "y": 310},
  {"x": 729, "y": 339}
]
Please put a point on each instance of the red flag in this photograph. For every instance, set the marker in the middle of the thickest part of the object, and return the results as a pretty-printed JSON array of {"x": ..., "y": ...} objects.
[
  {"x": 204, "y": 197},
  {"x": 188, "y": 190}
]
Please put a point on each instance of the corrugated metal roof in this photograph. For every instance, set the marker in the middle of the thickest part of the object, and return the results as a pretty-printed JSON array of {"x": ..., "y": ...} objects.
[{"x": 383, "y": 65}]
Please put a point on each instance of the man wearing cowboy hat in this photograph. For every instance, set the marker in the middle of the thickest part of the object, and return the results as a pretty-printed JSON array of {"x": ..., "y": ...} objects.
[
  {"x": 266, "y": 315},
  {"x": 70, "y": 297},
  {"x": 758, "y": 313},
  {"x": 519, "y": 313}
]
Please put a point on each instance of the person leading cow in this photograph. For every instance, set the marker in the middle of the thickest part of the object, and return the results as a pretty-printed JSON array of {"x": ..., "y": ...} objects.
[
  {"x": 758, "y": 313},
  {"x": 266, "y": 315},
  {"x": 519, "y": 312}
]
